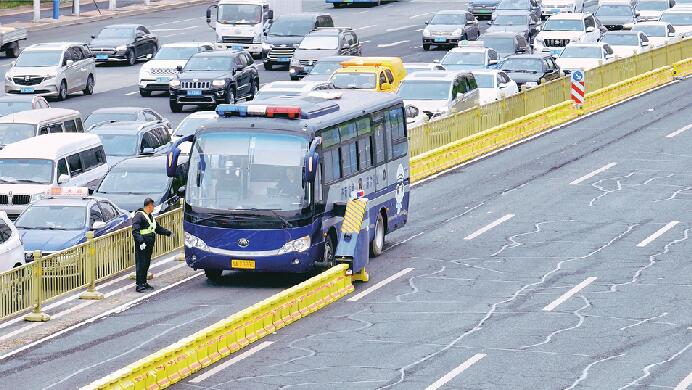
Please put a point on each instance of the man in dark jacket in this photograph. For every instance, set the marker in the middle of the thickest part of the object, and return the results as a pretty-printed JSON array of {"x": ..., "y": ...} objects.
[{"x": 144, "y": 231}]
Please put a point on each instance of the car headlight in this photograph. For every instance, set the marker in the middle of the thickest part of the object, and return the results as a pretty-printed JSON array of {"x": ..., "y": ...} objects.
[
  {"x": 49, "y": 77},
  {"x": 36, "y": 197},
  {"x": 458, "y": 32},
  {"x": 121, "y": 48},
  {"x": 195, "y": 242},
  {"x": 218, "y": 83},
  {"x": 175, "y": 83},
  {"x": 295, "y": 45},
  {"x": 145, "y": 73},
  {"x": 299, "y": 245},
  {"x": 426, "y": 33}
]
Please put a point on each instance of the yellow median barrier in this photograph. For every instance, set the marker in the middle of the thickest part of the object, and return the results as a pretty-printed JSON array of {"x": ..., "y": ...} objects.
[
  {"x": 682, "y": 68},
  {"x": 207, "y": 346}
]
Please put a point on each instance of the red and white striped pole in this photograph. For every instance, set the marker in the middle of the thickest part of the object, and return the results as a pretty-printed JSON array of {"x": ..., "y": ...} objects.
[{"x": 577, "y": 88}]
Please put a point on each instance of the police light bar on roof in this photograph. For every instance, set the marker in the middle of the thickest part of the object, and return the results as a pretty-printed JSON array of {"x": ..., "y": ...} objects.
[
  {"x": 79, "y": 192},
  {"x": 274, "y": 111}
]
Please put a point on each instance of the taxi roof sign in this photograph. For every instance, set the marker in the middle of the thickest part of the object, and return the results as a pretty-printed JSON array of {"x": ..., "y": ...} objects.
[{"x": 78, "y": 192}]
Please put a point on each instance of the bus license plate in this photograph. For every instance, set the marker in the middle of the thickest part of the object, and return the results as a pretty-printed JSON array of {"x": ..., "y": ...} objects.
[
  {"x": 243, "y": 264},
  {"x": 27, "y": 90},
  {"x": 194, "y": 92},
  {"x": 440, "y": 40},
  {"x": 102, "y": 56}
]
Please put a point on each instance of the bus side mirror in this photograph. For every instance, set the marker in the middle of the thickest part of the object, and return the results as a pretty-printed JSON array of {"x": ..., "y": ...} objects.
[
  {"x": 311, "y": 164},
  {"x": 208, "y": 15},
  {"x": 173, "y": 154}
]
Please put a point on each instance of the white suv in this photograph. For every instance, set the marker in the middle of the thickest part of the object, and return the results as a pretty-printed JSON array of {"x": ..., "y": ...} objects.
[
  {"x": 156, "y": 74},
  {"x": 52, "y": 69},
  {"x": 563, "y": 28}
]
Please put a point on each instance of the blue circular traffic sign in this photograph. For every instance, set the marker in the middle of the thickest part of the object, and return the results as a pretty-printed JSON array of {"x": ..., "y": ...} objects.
[{"x": 577, "y": 75}]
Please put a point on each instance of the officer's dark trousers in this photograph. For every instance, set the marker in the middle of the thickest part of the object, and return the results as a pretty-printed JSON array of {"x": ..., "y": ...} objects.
[{"x": 142, "y": 262}]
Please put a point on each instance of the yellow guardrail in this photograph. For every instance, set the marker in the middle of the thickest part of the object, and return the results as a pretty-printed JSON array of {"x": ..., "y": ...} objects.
[
  {"x": 182, "y": 359},
  {"x": 48, "y": 277}
]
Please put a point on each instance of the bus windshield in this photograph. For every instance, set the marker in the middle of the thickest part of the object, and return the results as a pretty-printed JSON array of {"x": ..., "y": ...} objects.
[{"x": 236, "y": 171}]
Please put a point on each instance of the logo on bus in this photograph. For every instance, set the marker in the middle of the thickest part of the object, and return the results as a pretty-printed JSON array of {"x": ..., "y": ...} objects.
[
  {"x": 399, "y": 188},
  {"x": 243, "y": 242}
]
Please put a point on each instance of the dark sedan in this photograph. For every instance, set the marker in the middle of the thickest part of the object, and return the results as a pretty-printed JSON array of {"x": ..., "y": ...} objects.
[
  {"x": 530, "y": 70},
  {"x": 506, "y": 43},
  {"x": 124, "y": 42},
  {"x": 531, "y": 6}
]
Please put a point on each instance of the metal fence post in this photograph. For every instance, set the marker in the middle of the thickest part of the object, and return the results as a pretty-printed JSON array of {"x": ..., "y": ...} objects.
[
  {"x": 75, "y": 7},
  {"x": 111, "y": 4},
  {"x": 91, "y": 292},
  {"x": 37, "y": 10},
  {"x": 36, "y": 314},
  {"x": 180, "y": 237}
]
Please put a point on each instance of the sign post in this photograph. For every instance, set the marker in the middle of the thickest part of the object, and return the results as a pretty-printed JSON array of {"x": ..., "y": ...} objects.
[{"x": 577, "y": 88}]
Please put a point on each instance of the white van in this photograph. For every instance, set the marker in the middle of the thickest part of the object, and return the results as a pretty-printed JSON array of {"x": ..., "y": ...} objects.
[
  {"x": 29, "y": 168},
  {"x": 26, "y": 124},
  {"x": 11, "y": 248}
]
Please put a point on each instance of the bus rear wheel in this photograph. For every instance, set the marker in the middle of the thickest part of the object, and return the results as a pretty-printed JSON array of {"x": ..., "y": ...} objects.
[
  {"x": 377, "y": 244},
  {"x": 213, "y": 274}
]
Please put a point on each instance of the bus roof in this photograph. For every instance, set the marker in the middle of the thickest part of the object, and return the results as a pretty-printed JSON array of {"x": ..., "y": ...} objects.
[{"x": 318, "y": 111}]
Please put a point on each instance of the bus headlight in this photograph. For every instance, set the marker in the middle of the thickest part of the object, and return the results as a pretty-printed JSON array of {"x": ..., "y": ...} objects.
[
  {"x": 299, "y": 245},
  {"x": 195, "y": 242}
]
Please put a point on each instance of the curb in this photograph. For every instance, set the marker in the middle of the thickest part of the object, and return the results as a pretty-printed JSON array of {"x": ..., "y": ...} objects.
[{"x": 116, "y": 14}]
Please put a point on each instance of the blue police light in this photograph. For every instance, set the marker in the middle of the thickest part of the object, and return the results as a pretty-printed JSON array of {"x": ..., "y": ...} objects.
[{"x": 226, "y": 110}]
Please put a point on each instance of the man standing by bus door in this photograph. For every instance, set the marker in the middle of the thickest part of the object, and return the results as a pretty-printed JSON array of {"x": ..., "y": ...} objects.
[{"x": 144, "y": 231}]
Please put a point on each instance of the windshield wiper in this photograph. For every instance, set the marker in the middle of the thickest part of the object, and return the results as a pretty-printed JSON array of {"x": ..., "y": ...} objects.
[
  {"x": 285, "y": 221},
  {"x": 27, "y": 181}
]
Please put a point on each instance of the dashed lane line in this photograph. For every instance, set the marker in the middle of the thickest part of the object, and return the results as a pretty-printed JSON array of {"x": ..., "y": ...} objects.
[
  {"x": 130, "y": 93},
  {"x": 564, "y": 297},
  {"x": 455, "y": 372},
  {"x": 657, "y": 234},
  {"x": 489, "y": 226},
  {"x": 685, "y": 384},
  {"x": 679, "y": 131},
  {"x": 379, "y": 285},
  {"x": 392, "y": 44},
  {"x": 400, "y": 28},
  {"x": 594, "y": 173},
  {"x": 230, "y": 362}
]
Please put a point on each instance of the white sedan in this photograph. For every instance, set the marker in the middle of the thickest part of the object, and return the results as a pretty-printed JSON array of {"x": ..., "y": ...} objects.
[
  {"x": 584, "y": 56},
  {"x": 494, "y": 85},
  {"x": 659, "y": 33},
  {"x": 11, "y": 248},
  {"x": 626, "y": 43}
]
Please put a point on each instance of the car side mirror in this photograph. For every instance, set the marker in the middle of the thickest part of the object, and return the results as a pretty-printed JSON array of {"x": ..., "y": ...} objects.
[
  {"x": 436, "y": 61},
  {"x": 645, "y": 43},
  {"x": 609, "y": 56},
  {"x": 671, "y": 35},
  {"x": 492, "y": 62},
  {"x": 93, "y": 37},
  {"x": 98, "y": 225},
  {"x": 427, "y": 22},
  {"x": 149, "y": 56},
  {"x": 270, "y": 14},
  {"x": 590, "y": 29},
  {"x": 637, "y": 13},
  {"x": 62, "y": 179},
  {"x": 148, "y": 150},
  {"x": 181, "y": 191},
  {"x": 69, "y": 63},
  {"x": 412, "y": 111},
  {"x": 179, "y": 69}
]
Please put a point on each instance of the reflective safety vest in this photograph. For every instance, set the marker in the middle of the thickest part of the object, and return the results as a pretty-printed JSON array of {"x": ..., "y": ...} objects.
[{"x": 152, "y": 225}]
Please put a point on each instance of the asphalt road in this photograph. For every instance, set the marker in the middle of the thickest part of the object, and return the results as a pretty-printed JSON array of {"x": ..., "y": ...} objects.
[{"x": 484, "y": 312}]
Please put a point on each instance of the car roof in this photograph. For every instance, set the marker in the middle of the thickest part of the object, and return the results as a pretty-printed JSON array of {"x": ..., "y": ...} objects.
[
  {"x": 17, "y": 98},
  {"x": 38, "y": 115},
  {"x": 125, "y": 25},
  {"x": 326, "y": 31},
  {"x": 486, "y": 71},
  {"x": 66, "y": 201},
  {"x": 50, "y": 146},
  {"x": 54, "y": 45},
  {"x": 651, "y": 23},
  {"x": 121, "y": 127},
  {"x": 433, "y": 75},
  {"x": 622, "y": 32},
  {"x": 187, "y": 44},
  {"x": 203, "y": 114},
  {"x": 536, "y": 56},
  {"x": 119, "y": 110},
  {"x": 336, "y": 58},
  {"x": 686, "y": 9},
  {"x": 500, "y": 34},
  {"x": 157, "y": 161},
  {"x": 513, "y": 12},
  {"x": 291, "y": 85},
  {"x": 451, "y": 12},
  {"x": 469, "y": 49},
  {"x": 569, "y": 16},
  {"x": 218, "y": 53}
]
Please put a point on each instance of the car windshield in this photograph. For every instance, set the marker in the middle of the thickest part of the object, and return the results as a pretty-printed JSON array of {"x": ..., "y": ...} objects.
[
  {"x": 582, "y": 52},
  {"x": 653, "y": 5},
  {"x": 239, "y": 14},
  {"x": 513, "y": 4},
  {"x": 291, "y": 27},
  {"x": 7, "y": 108},
  {"x": 501, "y": 45},
  {"x": 453, "y": 19},
  {"x": 26, "y": 170},
  {"x": 189, "y": 126},
  {"x": 39, "y": 58},
  {"x": 652, "y": 31},
  {"x": 621, "y": 39},
  {"x": 176, "y": 53},
  {"x": 13, "y": 132},
  {"x": 119, "y": 144},
  {"x": 563, "y": 25},
  {"x": 614, "y": 10},
  {"x": 325, "y": 67},
  {"x": 425, "y": 90},
  {"x": 320, "y": 43},
  {"x": 354, "y": 80},
  {"x": 114, "y": 33},
  {"x": 53, "y": 217},
  {"x": 677, "y": 18},
  {"x": 247, "y": 171},
  {"x": 99, "y": 117},
  {"x": 464, "y": 58},
  {"x": 206, "y": 64},
  {"x": 484, "y": 80},
  {"x": 134, "y": 181},
  {"x": 510, "y": 20},
  {"x": 522, "y": 65}
]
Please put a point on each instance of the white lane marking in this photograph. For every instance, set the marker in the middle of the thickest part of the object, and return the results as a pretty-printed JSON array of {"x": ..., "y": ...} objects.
[
  {"x": 657, "y": 234},
  {"x": 230, "y": 362},
  {"x": 115, "y": 310},
  {"x": 419, "y": 29},
  {"x": 171, "y": 35},
  {"x": 101, "y": 286},
  {"x": 364, "y": 41},
  {"x": 569, "y": 293},
  {"x": 400, "y": 28},
  {"x": 594, "y": 173},
  {"x": 392, "y": 44},
  {"x": 679, "y": 131},
  {"x": 364, "y": 27},
  {"x": 455, "y": 372},
  {"x": 685, "y": 384},
  {"x": 175, "y": 29},
  {"x": 488, "y": 227},
  {"x": 130, "y": 93},
  {"x": 419, "y": 15},
  {"x": 379, "y": 285}
]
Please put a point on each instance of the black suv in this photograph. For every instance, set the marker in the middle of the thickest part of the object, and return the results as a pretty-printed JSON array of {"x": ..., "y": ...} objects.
[
  {"x": 285, "y": 34},
  {"x": 321, "y": 43},
  {"x": 212, "y": 78}
]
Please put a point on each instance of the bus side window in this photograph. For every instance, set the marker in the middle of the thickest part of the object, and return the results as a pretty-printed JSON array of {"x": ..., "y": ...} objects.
[
  {"x": 378, "y": 140},
  {"x": 398, "y": 126},
  {"x": 349, "y": 159},
  {"x": 332, "y": 168},
  {"x": 364, "y": 153},
  {"x": 387, "y": 133}
]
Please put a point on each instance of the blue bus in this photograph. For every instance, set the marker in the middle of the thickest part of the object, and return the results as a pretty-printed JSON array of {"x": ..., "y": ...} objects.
[{"x": 267, "y": 184}]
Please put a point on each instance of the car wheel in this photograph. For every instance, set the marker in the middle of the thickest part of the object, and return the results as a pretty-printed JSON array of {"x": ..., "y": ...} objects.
[
  {"x": 175, "y": 107},
  {"x": 130, "y": 57},
  {"x": 12, "y": 50},
  {"x": 144, "y": 93},
  {"x": 62, "y": 92},
  {"x": 426, "y": 46},
  {"x": 89, "y": 89},
  {"x": 253, "y": 90},
  {"x": 155, "y": 50},
  {"x": 267, "y": 65},
  {"x": 213, "y": 275},
  {"x": 377, "y": 244}
]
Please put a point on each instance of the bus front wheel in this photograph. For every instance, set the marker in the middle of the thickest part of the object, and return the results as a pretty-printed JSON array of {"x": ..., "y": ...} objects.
[
  {"x": 377, "y": 244},
  {"x": 329, "y": 249},
  {"x": 213, "y": 274}
]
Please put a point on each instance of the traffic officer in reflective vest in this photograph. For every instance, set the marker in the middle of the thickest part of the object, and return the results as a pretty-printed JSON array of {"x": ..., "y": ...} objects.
[{"x": 144, "y": 231}]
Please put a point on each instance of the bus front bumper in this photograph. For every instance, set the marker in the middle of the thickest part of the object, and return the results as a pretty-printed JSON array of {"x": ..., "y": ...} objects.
[{"x": 266, "y": 261}]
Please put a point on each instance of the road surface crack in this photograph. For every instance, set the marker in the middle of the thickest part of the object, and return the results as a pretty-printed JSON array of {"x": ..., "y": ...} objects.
[
  {"x": 647, "y": 369},
  {"x": 579, "y": 323}
]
